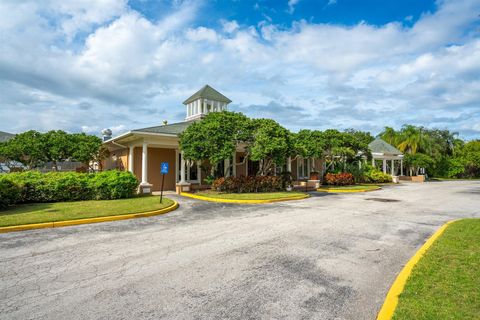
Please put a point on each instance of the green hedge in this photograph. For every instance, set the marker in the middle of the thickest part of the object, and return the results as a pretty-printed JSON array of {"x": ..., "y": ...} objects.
[
  {"x": 375, "y": 176},
  {"x": 33, "y": 186}
]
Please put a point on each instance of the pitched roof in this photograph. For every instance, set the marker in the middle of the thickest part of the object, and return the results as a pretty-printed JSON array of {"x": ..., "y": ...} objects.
[
  {"x": 380, "y": 146},
  {"x": 174, "y": 128},
  {"x": 207, "y": 92},
  {"x": 5, "y": 136}
]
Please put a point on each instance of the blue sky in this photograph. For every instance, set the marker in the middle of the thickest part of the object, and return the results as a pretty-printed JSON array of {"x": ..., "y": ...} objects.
[{"x": 93, "y": 64}]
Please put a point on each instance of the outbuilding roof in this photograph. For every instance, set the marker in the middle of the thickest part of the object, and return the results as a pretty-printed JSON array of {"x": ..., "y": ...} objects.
[
  {"x": 5, "y": 136},
  {"x": 207, "y": 92},
  {"x": 380, "y": 146}
]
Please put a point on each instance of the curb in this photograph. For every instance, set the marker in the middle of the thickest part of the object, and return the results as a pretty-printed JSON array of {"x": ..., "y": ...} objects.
[
  {"x": 193, "y": 196},
  {"x": 391, "y": 300},
  {"x": 347, "y": 191},
  {"x": 65, "y": 223}
]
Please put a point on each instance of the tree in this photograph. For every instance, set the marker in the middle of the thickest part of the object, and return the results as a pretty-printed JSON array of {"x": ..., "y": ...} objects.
[
  {"x": 389, "y": 135},
  {"x": 308, "y": 144},
  {"x": 417, "y": 161},
  {"x": 88, "y": 149},
  {"x": 270, "y": 145},
  {"x": 58, "y": 146},
  {"x": 471, "y": 154},
  {"x": 412, "y": 139},
  {"x": 26, "y": 148},
  {"x": 216, "y": 137}
]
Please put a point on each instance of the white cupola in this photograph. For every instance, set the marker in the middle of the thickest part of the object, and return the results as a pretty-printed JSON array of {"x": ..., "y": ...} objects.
[{"x": 204, "y": 101}]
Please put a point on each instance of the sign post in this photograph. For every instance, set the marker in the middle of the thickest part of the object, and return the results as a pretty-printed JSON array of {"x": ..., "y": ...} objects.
[{"x": 163, "y": 171}]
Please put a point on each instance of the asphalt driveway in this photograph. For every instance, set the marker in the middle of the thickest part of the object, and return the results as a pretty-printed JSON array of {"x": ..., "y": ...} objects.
[{"x": 327, "y": 257}]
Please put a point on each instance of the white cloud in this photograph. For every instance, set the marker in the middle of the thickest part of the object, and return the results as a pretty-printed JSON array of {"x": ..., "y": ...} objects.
[
  {"x": 132, "y": 72},
  {"x": 230, "y": 26},
  {"x": 291, "y": 5}
]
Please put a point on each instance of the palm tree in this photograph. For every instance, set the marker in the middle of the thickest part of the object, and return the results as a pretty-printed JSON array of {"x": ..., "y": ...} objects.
[
  {"x": 389, "y": 135},
  {"x": 412, "y": 139}
]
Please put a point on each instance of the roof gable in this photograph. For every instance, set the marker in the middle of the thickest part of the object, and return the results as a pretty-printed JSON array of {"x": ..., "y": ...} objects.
[
  {"x": 207, "y": 92},
  {"x": 380, "y": 146}
]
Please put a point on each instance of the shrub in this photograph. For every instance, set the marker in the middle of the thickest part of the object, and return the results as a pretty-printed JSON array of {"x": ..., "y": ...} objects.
[
  {"x": 33, "y": 186},
  {"x": 244, "y": 184},
  {"x": 113, "y": 185},
  {"x": 339, "y": 179},
  {"x": 9, "y": 193},
  {"x": 376, "y": 176}
]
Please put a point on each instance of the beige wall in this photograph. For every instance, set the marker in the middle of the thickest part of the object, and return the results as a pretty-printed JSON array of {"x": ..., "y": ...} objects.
[{"x": 155, "y": 157}]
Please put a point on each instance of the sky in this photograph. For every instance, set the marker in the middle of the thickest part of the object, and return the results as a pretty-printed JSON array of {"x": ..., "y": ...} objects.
[{"x": 86, "y": 65}]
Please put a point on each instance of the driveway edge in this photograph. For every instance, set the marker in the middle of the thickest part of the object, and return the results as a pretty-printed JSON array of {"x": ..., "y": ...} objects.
[
  {"x": 347, "y": 191},
  {"x": 66, "y": 223},
  {"x": 391, "y": 299},
  {"x": 250, "y": 201}
]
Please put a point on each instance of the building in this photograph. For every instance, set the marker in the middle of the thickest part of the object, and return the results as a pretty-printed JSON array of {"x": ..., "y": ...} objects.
[
  {"x": 141, "y": 151},
  {"x": 390, "y": 157}
]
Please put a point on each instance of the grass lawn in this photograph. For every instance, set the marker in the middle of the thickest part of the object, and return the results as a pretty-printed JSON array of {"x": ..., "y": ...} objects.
[
  {"x": 58, "y": 211},
  {"x": 454, "y": 179},
  {"x": 352, "y": 187},
  {"x": 250, "y": 196},
  {"x": 445, "y": 284}
]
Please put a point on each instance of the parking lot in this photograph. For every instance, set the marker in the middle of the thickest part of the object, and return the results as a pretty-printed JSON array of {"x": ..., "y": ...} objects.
[{"x": 327, "y": 257}]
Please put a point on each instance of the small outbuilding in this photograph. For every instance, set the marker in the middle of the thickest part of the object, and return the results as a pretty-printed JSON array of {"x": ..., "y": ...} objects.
[{"x": 387, "y": 154}]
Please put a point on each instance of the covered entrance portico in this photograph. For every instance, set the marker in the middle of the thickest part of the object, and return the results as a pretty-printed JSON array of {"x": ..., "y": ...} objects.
[{"x": 391, "y": 158}]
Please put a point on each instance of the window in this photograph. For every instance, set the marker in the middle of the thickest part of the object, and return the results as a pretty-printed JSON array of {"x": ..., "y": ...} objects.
[{"x": 303, "y": 168}]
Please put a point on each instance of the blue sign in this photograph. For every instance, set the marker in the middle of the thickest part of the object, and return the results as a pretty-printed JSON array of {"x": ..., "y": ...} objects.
[{"x": 164, "y": 168}]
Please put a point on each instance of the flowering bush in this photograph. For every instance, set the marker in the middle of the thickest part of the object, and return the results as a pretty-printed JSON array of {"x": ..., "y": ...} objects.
[
  {"x": 244, "y": 184},
  {"x": 339, "y": 179}
]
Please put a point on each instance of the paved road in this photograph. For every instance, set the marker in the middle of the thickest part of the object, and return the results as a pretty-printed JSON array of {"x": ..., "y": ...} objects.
[{"x": 327, "y": 257}]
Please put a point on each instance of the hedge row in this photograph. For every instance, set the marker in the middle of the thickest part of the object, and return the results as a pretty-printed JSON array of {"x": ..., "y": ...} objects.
[
  {"x": 244, "y": 184},
  {"x": 33, "y": 186}
]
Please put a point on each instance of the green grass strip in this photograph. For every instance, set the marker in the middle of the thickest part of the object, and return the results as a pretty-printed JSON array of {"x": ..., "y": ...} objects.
[
  {"x": 445, "y": 284},
  {"x": 59, "y": 211}
]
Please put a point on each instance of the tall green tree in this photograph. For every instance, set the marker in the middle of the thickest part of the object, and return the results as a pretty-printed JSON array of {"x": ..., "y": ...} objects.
[
  {"x": 270, "y": 145},
  {"x": 88, "y": 149},
  {"x": 58, "y": 146},
  {"x": 27, "y": 148},
  {"x": 216, "y": 137}
]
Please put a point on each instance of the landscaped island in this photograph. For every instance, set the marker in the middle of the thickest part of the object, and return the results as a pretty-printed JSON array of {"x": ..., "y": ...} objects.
[
  {"x": 60, "y": 211},
  {"x": 445, "y": 284},
  {"x": 350, "y": 188}
]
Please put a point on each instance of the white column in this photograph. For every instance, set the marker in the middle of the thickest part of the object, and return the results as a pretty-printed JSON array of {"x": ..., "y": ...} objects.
[
  {"x": 130, "y": 158},
  {"x": 197, "y": 106},
  {"x": 145, "y": 163},
  {"x": 393, "y": 168},
  {"x": 373, "y": 162},
  {"x": 401, "y": 167},
  {"x": 182, "y": 170},
  {"x": 176, "y": 165},
  {"x": 289, "y": 164},
  {"x": 384, "y": 166},
  {"x": 226, "y": 166}
]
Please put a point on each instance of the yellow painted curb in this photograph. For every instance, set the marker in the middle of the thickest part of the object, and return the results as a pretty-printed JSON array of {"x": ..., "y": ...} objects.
[
  {"x": 346, "y": 190},
  {"x": 391, "y": 300},
  {"x": 57, "y": 224},
  {"x": 246, "y": 201}
]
